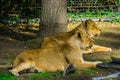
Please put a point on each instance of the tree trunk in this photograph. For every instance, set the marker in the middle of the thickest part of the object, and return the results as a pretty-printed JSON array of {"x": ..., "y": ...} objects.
[
  {"x": 119, "y": 6},
  {"x": 53, "y": 17}
]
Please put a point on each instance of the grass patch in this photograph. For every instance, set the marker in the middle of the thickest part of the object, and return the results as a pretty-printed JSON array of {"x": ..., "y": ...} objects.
[
  {"x": 38, "y": 76},
  {"x": 75, "y": 74},
  {"x": 90, "y": 71},
  {"x": 99, "y": 14},
  {"x": 7, "y": 76},
  {"x": 45, "y": 76}
]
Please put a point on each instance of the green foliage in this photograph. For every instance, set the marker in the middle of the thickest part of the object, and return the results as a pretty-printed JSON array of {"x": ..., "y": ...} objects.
[
  {"x": 117, "y": 19},
  {"x": 28, "y": 8},
  {"x": 42, "y": 75},
  {"x": 6, "y": 76},
  {"x": 116, "y": 16},
  {"x": 45, "y": 76},
  {"x": 76, "y": 73},
  {"x": 88, "y": 71},
  {"x": 109, "y": 2},
  {"x": 99, "y": 14},
  {"x": 98, "y": 2},
  {"x": 52, "y": 76}
]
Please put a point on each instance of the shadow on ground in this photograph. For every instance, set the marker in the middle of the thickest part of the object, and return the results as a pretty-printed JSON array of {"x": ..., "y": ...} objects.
[{"x": 17, "y": 34}]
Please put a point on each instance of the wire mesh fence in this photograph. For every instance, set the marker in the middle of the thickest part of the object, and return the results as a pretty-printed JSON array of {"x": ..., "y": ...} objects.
[
  {"x": 92, "y": 5},
  {"x": 102, "y": 10},
  {"x": 76, "y": 9}
]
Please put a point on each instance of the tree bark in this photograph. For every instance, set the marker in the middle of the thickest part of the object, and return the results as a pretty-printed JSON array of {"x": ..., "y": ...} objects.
[
  {"x": 119, "y": 6},
  {"x": 53, "y": 17}
]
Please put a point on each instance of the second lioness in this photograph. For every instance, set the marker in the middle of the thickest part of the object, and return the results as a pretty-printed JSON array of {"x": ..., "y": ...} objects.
[{"x": 89, "y": 27}]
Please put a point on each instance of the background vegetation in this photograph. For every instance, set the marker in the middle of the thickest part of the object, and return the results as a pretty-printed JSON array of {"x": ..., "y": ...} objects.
[{"x": 12, "y": 11}]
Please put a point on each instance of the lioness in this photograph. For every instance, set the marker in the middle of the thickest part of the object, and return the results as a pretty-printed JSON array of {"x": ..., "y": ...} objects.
[
  {"x": 88, "y": 26},
  {"x": 55, "y": 58}
]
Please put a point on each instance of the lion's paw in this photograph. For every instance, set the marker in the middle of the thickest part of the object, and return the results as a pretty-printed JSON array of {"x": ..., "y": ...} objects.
[
  {"x": 110, "y": 49},
  {"x": 15, "y": 74},
  {"x": 90, "y": 51},
  {"x": 98, "y": 62}
]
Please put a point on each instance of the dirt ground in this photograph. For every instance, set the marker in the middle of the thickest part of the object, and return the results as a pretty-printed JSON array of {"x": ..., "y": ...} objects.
[{"x": 11, "y": 43}]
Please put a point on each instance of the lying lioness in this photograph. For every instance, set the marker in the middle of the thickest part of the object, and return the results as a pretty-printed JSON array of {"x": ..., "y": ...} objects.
[
  {"x": 55, "y": 58},
  {"x": 88, "y": 26}
]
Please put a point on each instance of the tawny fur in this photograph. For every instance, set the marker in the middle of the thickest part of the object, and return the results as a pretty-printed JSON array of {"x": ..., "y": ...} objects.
[
  {"x": 88, "y": 27},
  {"x": 55, "y": 58}
]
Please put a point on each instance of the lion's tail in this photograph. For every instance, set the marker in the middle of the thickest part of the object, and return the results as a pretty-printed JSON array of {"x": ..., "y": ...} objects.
[{"x": 6, "y": 66}]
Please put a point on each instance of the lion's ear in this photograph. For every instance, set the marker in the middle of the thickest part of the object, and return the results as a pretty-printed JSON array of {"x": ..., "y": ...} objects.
[
  {"x": 87, "y": 22},
  {"x": 79, "y": 35}
]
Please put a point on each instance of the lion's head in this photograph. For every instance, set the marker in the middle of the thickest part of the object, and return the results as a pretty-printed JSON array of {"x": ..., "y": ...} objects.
[
  {"x": 92, "y": 28},
  {"x": 89, "y": 27},
  {"x": 81, "y": 39},
  {"x": 86, "y": 40}
]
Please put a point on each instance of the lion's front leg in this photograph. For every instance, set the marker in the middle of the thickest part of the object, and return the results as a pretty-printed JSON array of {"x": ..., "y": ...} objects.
[
  {"x": 78, "y": 61},
  {"x": 88, "y": 64},
  {"x": 85, "y": 64},
  {"x": 97, "y": 48}
]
